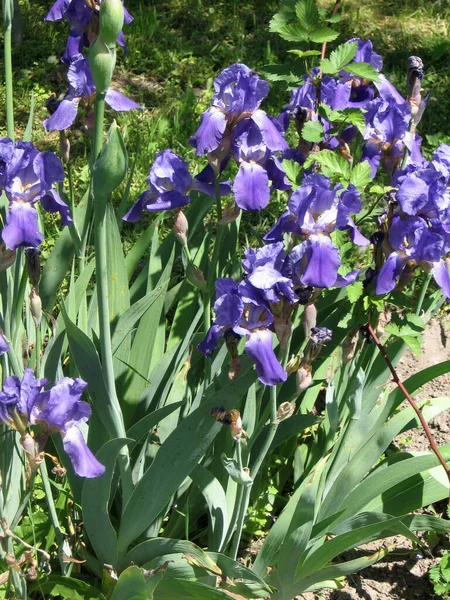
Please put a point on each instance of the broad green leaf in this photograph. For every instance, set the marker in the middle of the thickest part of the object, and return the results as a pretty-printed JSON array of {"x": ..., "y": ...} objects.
[
  {"x": 89, "y": 367},
  {"x": 132, "y": 585},
  {"x": 307, "y": 14},
  {"x": 178, "y": 391},
  {"x": 111, "y": 166},
  {"x": 145, "y": 351},
  {"x": 55, "y": 269},
  {"x": 119, "y": 298},
  {"x": 154, "y": 548},
  {"x": 324, "y": 576},
  {"x": 57, "y": 586},
  {"x": 323, "y": 34},
  {"x": 362, "y": 69},
  {"x": 292, "y": 33},
  {"x": 330, "y": 163},
  {"x": 341, "y": 56},
  {"x": 95, "y": 504},
  {"x": 361, "y": 174},
  {"x": 178, "y": 589},
  {"x": 279, "y": 20},
  {"x": 382, "y": 480},
  {"x": 128, "y": 320},
  {"x": 29, "y": 128},
  {"x": 174, "y": 461},
  {"x": 268, "y": 554},
  {"x": 305, "y": 53},
  {"x": 279, "y": 73},
  {"x": 147, "y": 423},
  {"x": 140, "y": 246},
  {"x": 236, "y": 472},
  {"x": 292, "y": 550},
  {"x": 355, "y": 291},
  {"x": 215, "y": 498},
  {"x": 383, "y": 526},
  {"x": 365, "y": 448},
  {"x": 312, "y": 131},
  {"x": 292, "y": 170},
  {"x": 426, "y": 523}
]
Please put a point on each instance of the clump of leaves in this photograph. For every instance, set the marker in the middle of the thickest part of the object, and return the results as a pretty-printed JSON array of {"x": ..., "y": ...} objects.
[{"x": 440, "y": 576}]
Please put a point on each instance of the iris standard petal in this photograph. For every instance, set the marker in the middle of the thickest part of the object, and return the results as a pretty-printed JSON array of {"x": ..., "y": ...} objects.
[
  {"x": 22, "y": 227},
  {"x": 258, "y": 346},
  {"x": 84, "y": 462},
  {"x": 210, "y": 133},
  {"x": 270, "y": 131},
  {"x": 57, "y": 10},
  {"x": 251, "y": 187}
]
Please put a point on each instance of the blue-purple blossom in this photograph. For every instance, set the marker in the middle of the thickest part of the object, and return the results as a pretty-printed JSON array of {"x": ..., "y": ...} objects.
[
  {"x": 17, "y": 398},
  {"x": 61, "y": 410},
  {"x": 238, "y": 93},
  {"x": 169, "y": 185},
  {"x": 83, "y": 19},
  {"x": 315, "y": 210},
  {"x": 257, "y": 166},
  {"x": 26, "y": 176},
  {"x": 412, "y": 243},
  {"x": 242, "y": 310},
  {"x": 82, "y": 88}
]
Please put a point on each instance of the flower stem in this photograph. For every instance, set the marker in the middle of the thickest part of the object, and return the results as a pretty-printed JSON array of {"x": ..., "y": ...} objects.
[
  {"x": 53, "y": 516},
  {"x": 408, "y": 396},
  {"x": 254, "y": 472},
  {"x": 8, "y": 13},
  {"x": 101, "y": 271},
  {"x": 423, "y": 292}
]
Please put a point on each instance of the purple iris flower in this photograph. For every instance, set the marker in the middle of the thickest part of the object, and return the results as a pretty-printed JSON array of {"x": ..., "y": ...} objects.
[
  {"x": 314, "y": 211},
  {"x": 169, "y": 185},
  {"x": 83, "y": 17},
  {"x": 61, "y": 410},
  {"x": 81, "y": 87},
  {"x": 26, "y": 176},
  {"x": 241, "y": 309},
  {"x": 257, "y": 165},
  {"x": 238, "y": 92},
  {"x": 17, "y": 398},
  {"x": 387, "y": 123},
  {"x": 413, "y": 243}
]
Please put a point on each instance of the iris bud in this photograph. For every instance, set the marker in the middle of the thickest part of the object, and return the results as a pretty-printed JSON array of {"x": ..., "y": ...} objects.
[
  {"x": 111, "y": 21},
  {"x": 36, "y": 307},
  {"x": 195, "y": 276},
  {"x": 102, "y": 61},
  {"x": 304, "y": 378},
  {"x": 309, "y": 319},
  {"x": 180, "y": 228}
]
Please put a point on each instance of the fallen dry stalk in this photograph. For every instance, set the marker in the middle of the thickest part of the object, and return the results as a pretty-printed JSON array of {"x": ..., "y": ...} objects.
[{"x": 408, "y": 396}]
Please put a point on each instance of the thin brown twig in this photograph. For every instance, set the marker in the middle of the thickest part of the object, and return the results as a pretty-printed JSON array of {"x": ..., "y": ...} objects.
[
  {"x": 333, "y": 12},
  {"x": 412, "y": 402}
]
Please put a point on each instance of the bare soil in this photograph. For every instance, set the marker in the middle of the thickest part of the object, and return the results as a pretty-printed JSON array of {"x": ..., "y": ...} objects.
[{"x": 403, "y": 575}]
